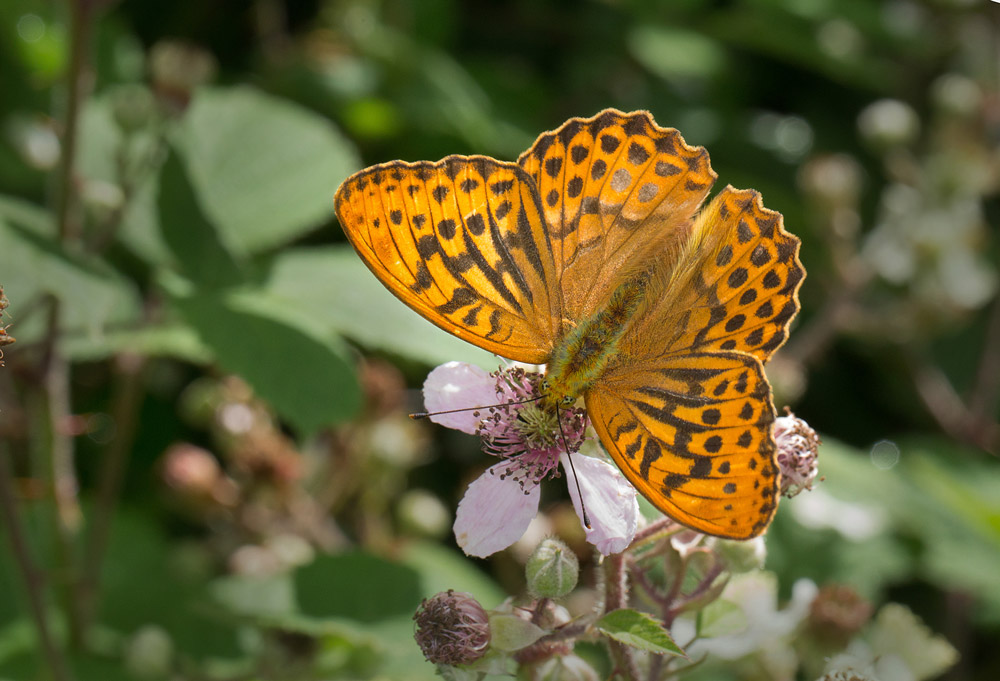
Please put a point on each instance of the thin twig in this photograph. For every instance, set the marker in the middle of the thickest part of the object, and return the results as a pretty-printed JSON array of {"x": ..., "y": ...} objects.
[
  {"x": 80, "y": 21},
  {"x": 946, "y": 406},
  {"x": 34, "y": 580},
  {"x": 126, "y": 402},
  {"x": 986, "y": 393},
  {"x": 56, "y": 450}
]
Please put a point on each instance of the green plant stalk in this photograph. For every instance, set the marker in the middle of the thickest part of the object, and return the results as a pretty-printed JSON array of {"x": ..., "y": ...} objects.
[
  {"x": 81, "y": 16},
  {"x": 54, "y": 449},
  {"x": 55, "y": 403},
  {"x": 34, "y": 580},
  {"x": 126, "y": 402}
]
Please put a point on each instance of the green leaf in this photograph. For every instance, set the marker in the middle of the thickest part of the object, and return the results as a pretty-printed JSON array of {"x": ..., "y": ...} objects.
[
  {"x": 302, "y": 373},
  {"x": 93, "y": 296},
  {"x": 265, "y": 169},
  {"x": 441, "y": 569},
  {"x": 357, "y": 586},
  {"x": 197, "y": 245},
  {"x": 676, "y": 54},
  {"x": 721, "y": 618},
  {"x": 508, "y": 632},
  {"x": 314, "y": 281},
  {"x": 639, "y": 630},
  {"x": 270, "y": 596}
]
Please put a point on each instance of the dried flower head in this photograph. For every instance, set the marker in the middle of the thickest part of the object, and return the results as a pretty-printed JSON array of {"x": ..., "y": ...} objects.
[
  {"x": 452, "y": 628},
  {"x": 798, "y": 453},
  {"x": 837, "y": 614}
]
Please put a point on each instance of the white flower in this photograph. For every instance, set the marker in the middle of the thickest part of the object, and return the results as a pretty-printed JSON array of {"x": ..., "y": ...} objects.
[{"x": 531, "y": 443}]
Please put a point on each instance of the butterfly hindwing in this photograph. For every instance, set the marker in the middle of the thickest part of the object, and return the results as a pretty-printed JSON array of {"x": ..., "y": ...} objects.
[
  {"x": 693, "y": 434},
  {"x": 614, "y": 189},
  {"x": 462, "y": 242},
  {"x": 735, "y": 287}
]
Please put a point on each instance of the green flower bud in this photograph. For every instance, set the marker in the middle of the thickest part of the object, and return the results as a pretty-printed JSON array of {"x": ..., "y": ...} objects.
[
  {"x": 133, "y": 107},
  {"x": 742, "y": 556},
  {"x": 552, "y": 570},
  {"x": 149, "y": 652}
]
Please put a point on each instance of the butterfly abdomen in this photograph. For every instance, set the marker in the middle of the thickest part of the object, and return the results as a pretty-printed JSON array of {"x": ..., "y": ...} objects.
[{"x": 581, "y": 356}]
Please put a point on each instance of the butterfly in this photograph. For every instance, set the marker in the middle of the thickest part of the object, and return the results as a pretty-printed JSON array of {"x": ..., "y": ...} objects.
[{"x": 589, "y": 255}]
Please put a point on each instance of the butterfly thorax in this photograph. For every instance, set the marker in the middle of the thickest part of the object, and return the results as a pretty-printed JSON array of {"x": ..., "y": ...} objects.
[{"x": 582, "y": 355}]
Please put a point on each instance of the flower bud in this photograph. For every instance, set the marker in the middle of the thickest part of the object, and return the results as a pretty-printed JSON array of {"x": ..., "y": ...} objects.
[
  {"x": 552, "y": 570},
  {"x": 836, "y": 614},
  {"x": 148, "y": 653},
  {"x": 798, "y": 453},
  {"x": 742, "y": 556},
  {"x": 176, "y": 70},
  {"x": 133, "y": 107},
  {"x": 889, "y": 123},
  {"x": 452, "y": 628}
]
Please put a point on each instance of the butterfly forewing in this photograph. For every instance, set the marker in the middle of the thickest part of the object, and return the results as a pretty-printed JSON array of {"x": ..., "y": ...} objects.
[
  {"x": 462, "y": 242},
  {"x": 693, "y": 434},
  {"x": 615, "y": 189}
]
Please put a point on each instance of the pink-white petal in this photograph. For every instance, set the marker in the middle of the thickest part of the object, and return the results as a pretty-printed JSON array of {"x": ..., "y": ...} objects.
[
  {"x": 611, "y": 504},
  {"x": 494, "y": 513},
  {"x": 457, "y": 385}
]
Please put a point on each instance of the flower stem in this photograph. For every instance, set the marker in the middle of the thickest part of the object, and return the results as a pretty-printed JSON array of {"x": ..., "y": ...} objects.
[
  {"x": 34, "y": 580},
  {"x": 81, "y": 13},
  {"x": 126, "y": 401},
  {"x": 616, "y": 597}
]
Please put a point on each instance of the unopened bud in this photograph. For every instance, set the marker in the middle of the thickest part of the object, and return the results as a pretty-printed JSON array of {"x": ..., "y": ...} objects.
[
  {"x": 190, "y": 470},
  {"x": 798, "y": 453},
  {"x": 552, "y": 570},
  {"x": 177, "y": 69},
  {"x": 148, "y": 653},
  {"x": 452, "y": 628},
  {"x": 742, "y": 556},
  {"x": 133, "y": 107},
  {"x": 889, "y": 123}
]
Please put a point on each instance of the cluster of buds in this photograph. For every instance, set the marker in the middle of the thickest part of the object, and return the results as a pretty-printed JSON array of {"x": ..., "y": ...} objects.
[{"x": 5, "y": 338}]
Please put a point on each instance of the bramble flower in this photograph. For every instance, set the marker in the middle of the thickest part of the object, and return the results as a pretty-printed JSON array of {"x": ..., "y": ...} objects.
[
  {"x": 452, "y": 628},
  {"x": 798, "y": 450},
  {"x": 897, "y": 646},
  {"x": 766, "y": 629},
  {"x": 531, "y": 443}
]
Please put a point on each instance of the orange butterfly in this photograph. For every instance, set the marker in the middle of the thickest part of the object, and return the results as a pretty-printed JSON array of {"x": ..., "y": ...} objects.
[{"x": 587, "y": 255}]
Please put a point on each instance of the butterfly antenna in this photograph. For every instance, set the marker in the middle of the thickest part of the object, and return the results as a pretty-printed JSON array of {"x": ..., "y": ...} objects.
[
  {"x": 576, "y": 478},
  {"x": 427, "y": 414}
]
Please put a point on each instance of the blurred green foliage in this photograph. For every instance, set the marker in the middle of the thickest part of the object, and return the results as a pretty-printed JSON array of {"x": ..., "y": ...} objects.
[{"x": 222, "y": 339}]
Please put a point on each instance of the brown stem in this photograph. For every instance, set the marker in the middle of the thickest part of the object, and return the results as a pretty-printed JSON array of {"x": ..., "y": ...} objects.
[
  {"x": 986, "y": 392},
  {"x": 56, "y": 451},
  {"x": 80, "y": 23},
  {"x": 615, "y": 598},
  {"x": 34, "y": 580},
  {"x": 664, "y": 526},
  {"x": 126, "y": 402},
  {"x": 948, "y": 409}
]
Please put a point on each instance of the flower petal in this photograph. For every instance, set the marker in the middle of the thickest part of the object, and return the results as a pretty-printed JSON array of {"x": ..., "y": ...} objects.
[
  {"x": 494, "y": 513},
  {"x": 457, "y": 385},
  {"x": 610, "y": 500}
]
